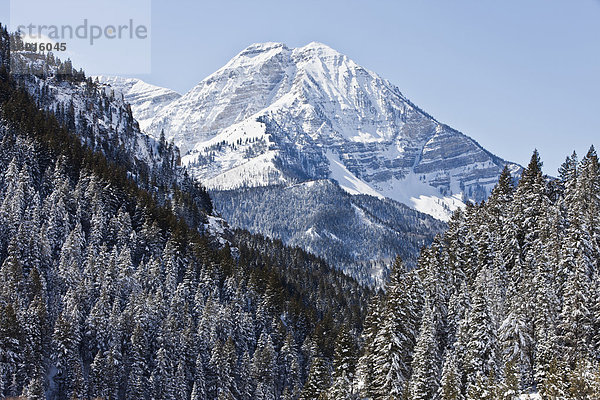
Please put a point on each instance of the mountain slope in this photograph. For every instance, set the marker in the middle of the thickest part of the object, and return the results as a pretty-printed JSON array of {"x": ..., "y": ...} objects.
[
  {"x": 275, "y": 115},
  {"x": 96, "y": 286},
  {"x": 360, "y": 234},
  {"x": 145, "y": 99},
  {"x": 104, "y": 122}
]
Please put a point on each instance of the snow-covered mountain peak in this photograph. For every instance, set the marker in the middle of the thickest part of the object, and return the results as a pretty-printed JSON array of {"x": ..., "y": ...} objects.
[
  {"x": 276, "y": 115},
  {"x": 255, "y": 55},
  {"x": 320, "y": 49},
  {"x": 257, "y": 48}
]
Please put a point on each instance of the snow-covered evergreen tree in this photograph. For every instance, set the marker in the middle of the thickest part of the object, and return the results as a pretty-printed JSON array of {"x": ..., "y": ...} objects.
[{"x": 424, "y": 381}]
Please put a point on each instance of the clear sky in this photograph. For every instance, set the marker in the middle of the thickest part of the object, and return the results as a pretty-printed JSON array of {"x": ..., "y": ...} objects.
[{"x": 512, "y": 74}]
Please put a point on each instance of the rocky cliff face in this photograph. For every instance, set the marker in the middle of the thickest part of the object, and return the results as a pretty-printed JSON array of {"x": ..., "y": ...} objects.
[{"x": 275, "y": 115}]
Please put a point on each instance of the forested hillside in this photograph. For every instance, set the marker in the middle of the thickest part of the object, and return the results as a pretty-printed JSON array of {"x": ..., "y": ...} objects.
[
  {"x": 103, "y": 122},
  {"x": 358, "y": 234},
  {"x": 507, "y": 301},
  {"x": 107, "y": 292}
]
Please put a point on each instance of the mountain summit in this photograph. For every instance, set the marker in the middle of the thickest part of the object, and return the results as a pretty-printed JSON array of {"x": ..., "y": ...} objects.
[{"x": 276, "y": 115}]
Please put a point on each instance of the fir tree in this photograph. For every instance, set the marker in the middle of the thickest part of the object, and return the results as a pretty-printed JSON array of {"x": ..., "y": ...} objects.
[
  {"x": 451, "y": 382},
  {"x": 137, "y": 382},
  {"x": 318, "y": 380},
  {"x": 290, "y": 365},
  {"x": 263, "y": 368},
  {"x": 199, "y": 386},
  {"x": 396, "y": 338},
  {"x": 424, "y": 380},
  {"x": 481, "y": 356},
  {"x": 344, "y": 364}
]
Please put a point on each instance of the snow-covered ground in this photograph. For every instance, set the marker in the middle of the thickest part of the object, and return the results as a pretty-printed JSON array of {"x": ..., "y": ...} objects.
[
  {"x": 347, "y": 180},
  {"x": 530, "y": 396}
]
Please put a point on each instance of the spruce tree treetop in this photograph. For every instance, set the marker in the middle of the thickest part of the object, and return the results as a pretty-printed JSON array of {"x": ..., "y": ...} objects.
[{"x": 533, "y": 170}]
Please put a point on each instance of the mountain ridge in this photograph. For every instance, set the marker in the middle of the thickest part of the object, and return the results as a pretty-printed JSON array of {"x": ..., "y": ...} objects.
[{"x": 146, "y": 98}]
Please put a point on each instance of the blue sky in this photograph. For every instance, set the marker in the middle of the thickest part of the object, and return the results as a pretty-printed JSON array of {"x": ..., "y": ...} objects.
[{"x": 514, "y": 75}]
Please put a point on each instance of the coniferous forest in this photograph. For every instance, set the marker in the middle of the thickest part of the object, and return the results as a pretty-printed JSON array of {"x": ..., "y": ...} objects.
[
  {"x": 112, "y": 285},
  {"x": 109, "y": 291},
  {"x": 505, "y": 302}
]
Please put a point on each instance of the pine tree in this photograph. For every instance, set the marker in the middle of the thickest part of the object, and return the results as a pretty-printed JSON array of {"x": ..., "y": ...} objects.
[
  {"x": 575, "y": 328},
  {"x": 180, "y": 382},
  {"x": 244, "y": 380},
  {"x": 365, "y": 368},
  {"x": 517, "y": 341},
  {"x": 458, "y": 306},
  {"x": 99, "y": 381},
  {"x": 10, "y": 349},
  {"x": 137, "y": 387},
  {"x": 309, "y": 351},
  {"x": 36, "y": 343},
  {"x": 344, "y": 364},
  {"x": 290, "y": 365},
  {"x": 318, "y": 380},
  {"x": 424, "y": 380},
  {"x": 199, "y": 386},
  {"x": 263, "y": 367},
  {"x": 589, "y": 185},
  {"x": 596, "y": 322},
  {"x": 66, "y": 356},
  {"x": 224, "y": 365},
  {"x": 481, "y": 356},
  {"x": 71, "y": 256},
  {"x": 162, "y": 377},
  {"x": 395, "y": 340},
  {"x": 451, "y": 382}
]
